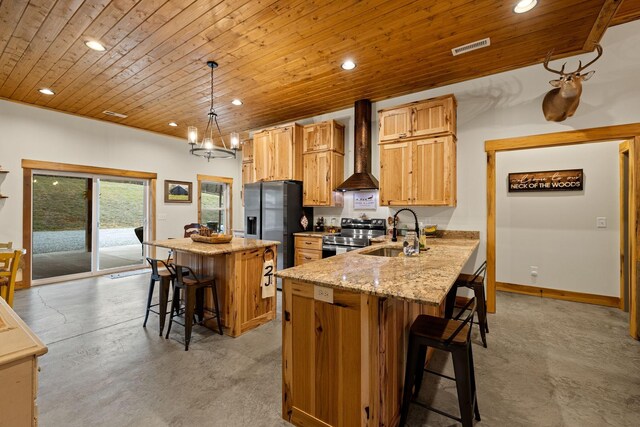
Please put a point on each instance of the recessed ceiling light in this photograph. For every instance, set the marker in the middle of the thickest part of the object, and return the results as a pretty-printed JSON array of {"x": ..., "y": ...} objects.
[
  {"x": 525, "y": 6},
  {"x": 236, "y": 102},
  {"x": 46, "y": 91},
  {"x": 92, "y": 44},
  {"x": 173, "y": 124},
  {"x": 348, "y": 65}
]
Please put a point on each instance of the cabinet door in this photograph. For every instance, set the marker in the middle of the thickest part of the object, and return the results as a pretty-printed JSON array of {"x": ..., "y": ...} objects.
[
  {"x": 247, "y": 176},
  {"x": 327, "y": 366},
  {"x": 325, "y": 189},
  {"x": 434, "y": 171},
  {"x": 262, "y": 156},
  {"x": 395, "y": 173},
  {"x": 395, "y": 124},
  {"x": 433, "y": 117},
  {"x": 310, "y": 180},
  {"x": 247, "y": 151},
  {"x": 283, "y": 154}
]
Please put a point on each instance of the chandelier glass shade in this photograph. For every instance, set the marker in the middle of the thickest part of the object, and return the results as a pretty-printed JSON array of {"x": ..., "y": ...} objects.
[{"x": 206, "y": 147}]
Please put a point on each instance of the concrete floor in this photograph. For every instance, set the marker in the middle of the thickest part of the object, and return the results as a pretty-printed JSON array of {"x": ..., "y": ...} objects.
[{"x": 549, "y": 363}]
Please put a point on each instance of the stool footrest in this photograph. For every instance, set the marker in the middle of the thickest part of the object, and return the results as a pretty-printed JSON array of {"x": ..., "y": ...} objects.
[
  {"x": 439, "y": 374},
  {"x": 430, "y": 408}
]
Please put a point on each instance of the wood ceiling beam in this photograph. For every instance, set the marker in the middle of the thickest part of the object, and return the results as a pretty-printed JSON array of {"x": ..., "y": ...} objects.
[{"x": 609, "y": 9}]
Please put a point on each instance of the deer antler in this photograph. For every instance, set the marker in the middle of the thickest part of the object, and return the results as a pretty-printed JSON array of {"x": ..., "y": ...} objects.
[
  {"x": 546, "y": 64},
  {"x": 580, "y": 67}
]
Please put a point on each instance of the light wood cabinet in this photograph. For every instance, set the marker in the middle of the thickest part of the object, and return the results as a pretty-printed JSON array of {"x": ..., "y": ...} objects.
[
  {"x": 323, "y": 171},
  {"x": 277, "y": 153},
  {"x": 323, "y": 136},
  {"x": 247, "y": 151},
  {"x": 19, "y": 350},
  {"x": 420, "y": 172},
  {"x": 436, "y": 116},
  {"x": 323, "y": 163},
  {"x": 247, "y": 176},
  {"x": 307, "y": 249}
]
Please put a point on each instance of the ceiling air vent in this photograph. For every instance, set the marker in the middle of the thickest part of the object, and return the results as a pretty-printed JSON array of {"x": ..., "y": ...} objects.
[
  {"x": 471, "y": 46},
  {"x": 111, "y": 113}
]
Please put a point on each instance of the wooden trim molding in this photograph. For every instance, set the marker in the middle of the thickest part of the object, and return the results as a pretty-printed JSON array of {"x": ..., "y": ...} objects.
[
  {"x": 630, "y": 132},
  {"x": 604, "y": 300},
  {"x": 27, "y": 189},
  {"x": 94, "y": 170},
  {"x": 556, "y": 139},
  {"x": 224, "y": 180}
]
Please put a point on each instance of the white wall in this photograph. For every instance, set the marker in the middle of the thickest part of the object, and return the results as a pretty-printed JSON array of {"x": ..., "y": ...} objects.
[
  {"x": 556, "y": 231},
  {"x": 39, "y": 134},
  {"x": 507, "y": 105}
]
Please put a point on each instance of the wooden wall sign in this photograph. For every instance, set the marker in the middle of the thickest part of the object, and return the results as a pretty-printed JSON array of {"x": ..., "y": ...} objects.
[{"x": 563, "y": 180}]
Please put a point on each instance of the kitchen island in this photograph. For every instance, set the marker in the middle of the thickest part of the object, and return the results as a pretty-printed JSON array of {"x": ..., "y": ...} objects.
[
  {"x": 345, "y": 327},
  {"x": 237, "y": 268}
]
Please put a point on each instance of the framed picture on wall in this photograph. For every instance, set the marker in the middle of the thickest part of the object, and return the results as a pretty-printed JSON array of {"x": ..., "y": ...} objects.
[{"x": 177, "y": 191}]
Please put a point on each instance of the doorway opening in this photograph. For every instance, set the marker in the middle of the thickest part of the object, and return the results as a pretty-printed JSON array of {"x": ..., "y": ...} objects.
[{"x": 630, "y": 133}]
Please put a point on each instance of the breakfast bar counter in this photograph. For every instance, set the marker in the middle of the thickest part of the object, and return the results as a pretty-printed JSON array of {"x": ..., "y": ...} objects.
[
  {"x": 237, "y": 267},
  {"x": 345, "y": 327}
]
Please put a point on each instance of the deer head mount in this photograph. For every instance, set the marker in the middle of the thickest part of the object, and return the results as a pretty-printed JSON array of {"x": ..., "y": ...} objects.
[{"x": 563, "y": 101}]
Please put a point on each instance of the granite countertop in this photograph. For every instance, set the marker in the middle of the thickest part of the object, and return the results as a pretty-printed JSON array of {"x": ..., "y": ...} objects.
[
  {"x": 424, "y": 279},
  {"x": 236, "y": 244},
  {"x": 311, "y": 233}
]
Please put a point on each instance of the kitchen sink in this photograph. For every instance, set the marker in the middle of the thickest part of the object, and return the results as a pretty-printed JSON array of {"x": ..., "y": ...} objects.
[{"x": 386, "y": 252}]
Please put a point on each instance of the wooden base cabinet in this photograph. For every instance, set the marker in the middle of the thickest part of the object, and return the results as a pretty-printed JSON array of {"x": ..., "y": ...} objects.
[
  {"x": 418, "y": 172},
  {"x": 19, "y": 350},
  {"x": 308, "y": 249},
  {"x": 343, "y": 363}
]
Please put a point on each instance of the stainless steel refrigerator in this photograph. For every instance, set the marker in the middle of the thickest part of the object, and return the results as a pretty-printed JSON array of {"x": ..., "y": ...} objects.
[{"x": 272, "y": 211}]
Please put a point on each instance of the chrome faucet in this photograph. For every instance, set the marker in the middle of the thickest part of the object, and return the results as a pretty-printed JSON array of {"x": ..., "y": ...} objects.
[{"x": 394, "y": 236}]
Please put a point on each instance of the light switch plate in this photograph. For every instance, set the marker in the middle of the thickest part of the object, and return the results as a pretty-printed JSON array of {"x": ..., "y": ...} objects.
[
  {"x": 601, "y": 222},
  {"x": 320, "y": 293}
]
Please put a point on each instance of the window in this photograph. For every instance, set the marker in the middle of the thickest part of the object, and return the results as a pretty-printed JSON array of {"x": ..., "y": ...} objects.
[{"x": 214, "y": 202}]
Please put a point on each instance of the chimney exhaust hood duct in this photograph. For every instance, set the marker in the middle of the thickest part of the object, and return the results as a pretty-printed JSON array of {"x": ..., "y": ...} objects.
[{"x": 361, "y": 178}]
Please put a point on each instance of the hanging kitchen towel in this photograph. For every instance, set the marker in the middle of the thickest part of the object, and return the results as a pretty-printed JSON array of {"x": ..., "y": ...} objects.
[
  {"x": 268, "y": 284},
  {"x": 341, "y": 251}
]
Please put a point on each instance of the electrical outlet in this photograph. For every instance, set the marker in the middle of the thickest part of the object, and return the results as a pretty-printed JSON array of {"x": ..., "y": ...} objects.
[
  {"x": 320, "y": 293},
  {"x": 601, "y": 222},
  {"x": 162, "y": 217}
]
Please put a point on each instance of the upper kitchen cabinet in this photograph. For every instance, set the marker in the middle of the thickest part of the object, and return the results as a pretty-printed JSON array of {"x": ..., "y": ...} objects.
[
  {"x": 323, "y": 136},
  {"x": 277, "y": 153},
  {"x": 323, "y": 172},
  {"x": 323, "y": 145},
  {"x": 419, "y": 172},
  {"x": 436, "y": 116},
  {"x": 247, "y": 151}
]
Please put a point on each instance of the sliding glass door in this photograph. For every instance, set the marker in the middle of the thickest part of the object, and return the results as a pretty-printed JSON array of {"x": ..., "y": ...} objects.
[
  {"x": 121, "y": 219},
  {"x": 86, "y": 225},
  {"x": 62, "y": 226}
]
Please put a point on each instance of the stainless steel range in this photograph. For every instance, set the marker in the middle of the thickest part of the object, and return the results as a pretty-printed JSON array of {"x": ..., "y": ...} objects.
[{"x": 355, "y": 234}]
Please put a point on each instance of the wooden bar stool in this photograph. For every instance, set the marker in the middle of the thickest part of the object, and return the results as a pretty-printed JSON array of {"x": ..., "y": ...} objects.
[
  {"x": 453, "y": 336},
  {"x": 158, "y": 276},
  {"x": 193, "y": 287},
  {"x": 475, "y": 282},
  {"x": 8, "y": 277}
]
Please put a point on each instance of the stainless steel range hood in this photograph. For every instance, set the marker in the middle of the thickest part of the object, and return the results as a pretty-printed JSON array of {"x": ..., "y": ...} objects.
[{"x": 362, "y": 179}]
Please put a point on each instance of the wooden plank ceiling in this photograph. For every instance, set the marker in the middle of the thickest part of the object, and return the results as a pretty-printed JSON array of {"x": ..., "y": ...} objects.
[{"x": 280, "y": 57}]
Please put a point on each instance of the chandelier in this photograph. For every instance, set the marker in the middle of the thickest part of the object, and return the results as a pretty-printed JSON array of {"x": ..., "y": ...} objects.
[{"x": 206, "y": 148}]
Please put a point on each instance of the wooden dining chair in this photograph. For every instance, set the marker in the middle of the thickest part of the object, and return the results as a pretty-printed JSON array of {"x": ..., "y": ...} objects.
[
  {"x": 8, "y": 277},
  {"x": 7, "y": 246},
  {"x": 192, "y": 228}
]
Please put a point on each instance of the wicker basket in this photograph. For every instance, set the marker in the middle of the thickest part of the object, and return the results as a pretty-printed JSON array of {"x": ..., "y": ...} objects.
[{"x": 219, "y": 238}]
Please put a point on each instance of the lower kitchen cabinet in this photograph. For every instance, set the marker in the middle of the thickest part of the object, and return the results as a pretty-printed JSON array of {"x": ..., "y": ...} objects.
[
  {"x": 420, "y": 172},
  {"x": 308, "y": 249},
  {"x": 19, "y": 350}
]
